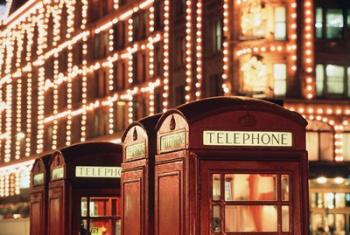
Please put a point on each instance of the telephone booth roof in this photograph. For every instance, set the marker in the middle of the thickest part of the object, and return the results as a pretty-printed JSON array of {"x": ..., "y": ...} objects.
[
  {"x": 136, "y": 137},
  {"x": 228, "y": 114},
  {"x": 90, "y": 154}
]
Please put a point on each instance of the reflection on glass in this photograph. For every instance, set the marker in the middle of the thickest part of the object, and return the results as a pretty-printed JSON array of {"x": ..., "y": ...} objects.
[
  {"x": 340, "y": 200},
  {"x": 317, "y": 222},
  {"x": 83, "y": 206},
  {"x": 335, "y": 23},
  {"x": 285, "y": 187},
  {"x": 84, "y": 228},
  {"x": 250, "y": 187},
  {"x": 102, "y": 206},
  {"x": 313, "y": 200},
  {"x": 118, "y": 227},
  {"x": 216, "y": 187},
  {"x": 340, "y": 224},
  {"x": 250, "y": 219},
  {"x": 329, "y": 200},
  {"x": 100, "y": 227},
  {"x": 285, "y": 218},
  {"x": 216, "y": 220}
]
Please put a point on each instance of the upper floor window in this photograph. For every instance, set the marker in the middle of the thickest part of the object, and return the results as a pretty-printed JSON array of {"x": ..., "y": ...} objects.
[
  {"x": 262, "y": 20},
  {"x": 98, "y": 9},
  {"x": 216, "y": 36},
  {"x": 319, "y": 141},
  {"x": 63, "y": 23},
  {"x": 335, "y": 23},
  {"x": 262, "y": 79},
  {"x": 139, "y": 26},
  {"x": 346, "y": 146},
  {"x": 49, "y": 32},
  {"x": 119, "y": 35},
  {"x": 332, "y": 80},
  {"x": 180, "y": 9},
  {"x": 330, "y": 23},
  {"x": 158, "y": 15},
  {"x": 180, "y": 95},
  {"x": 215, "y": 85},
  {"x": 78, "y": 15},
  {"x": 180, "y": 48},
  {"x": 280, "y": 23}
]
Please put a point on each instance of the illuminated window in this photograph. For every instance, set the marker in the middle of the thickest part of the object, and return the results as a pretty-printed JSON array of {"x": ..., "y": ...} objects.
[
  {"x": 331, "y": 81},
  {"x": 319, "y": 79},
  {"x": 319, "y": 141},
  {"x": 346, "y": 146},
  {"x": 262, "y": 79},
  {"x": 319, "y": 22},
  {"x": 335, "y": 23},
  {"x": 335, "y": 79},
  {"x": 280, "y": 23},
  {"x": 280, "y": 75},
  {"x": 217, "y": 36},
  {"x": 329, "y": 23}
]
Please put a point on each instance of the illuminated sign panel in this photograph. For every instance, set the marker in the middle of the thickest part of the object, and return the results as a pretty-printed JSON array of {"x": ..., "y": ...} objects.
[
  {"x": 38, "y": 179},
  {"x": 247, "y": 138},
  {"x": 57, "y": 173},
  {"x": 173, "y": 141},
  {"x": 135, "y": 150},
  {"x": 97, "y": 172}
]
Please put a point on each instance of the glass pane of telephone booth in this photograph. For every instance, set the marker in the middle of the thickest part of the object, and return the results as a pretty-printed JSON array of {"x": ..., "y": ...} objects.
[
  {"x": 250, "y": 218},
  {"x": 100, "y": 216},
  {"x": 250, "y": 187}
]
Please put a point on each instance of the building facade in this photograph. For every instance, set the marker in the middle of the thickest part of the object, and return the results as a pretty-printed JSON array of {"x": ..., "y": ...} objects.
[{"x": 74, "y": 71}]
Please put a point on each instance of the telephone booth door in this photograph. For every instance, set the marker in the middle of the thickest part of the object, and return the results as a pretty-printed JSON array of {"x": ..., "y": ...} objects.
[{"x": 250, "y": 197}]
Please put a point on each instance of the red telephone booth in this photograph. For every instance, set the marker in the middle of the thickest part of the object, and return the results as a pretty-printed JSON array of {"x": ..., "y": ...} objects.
[
  {"x": 231, "y": 166},
  {"x": 139, "y": 144},
  {"x": 38, "y": 196},
  {"x": 84, "y": 190}
]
